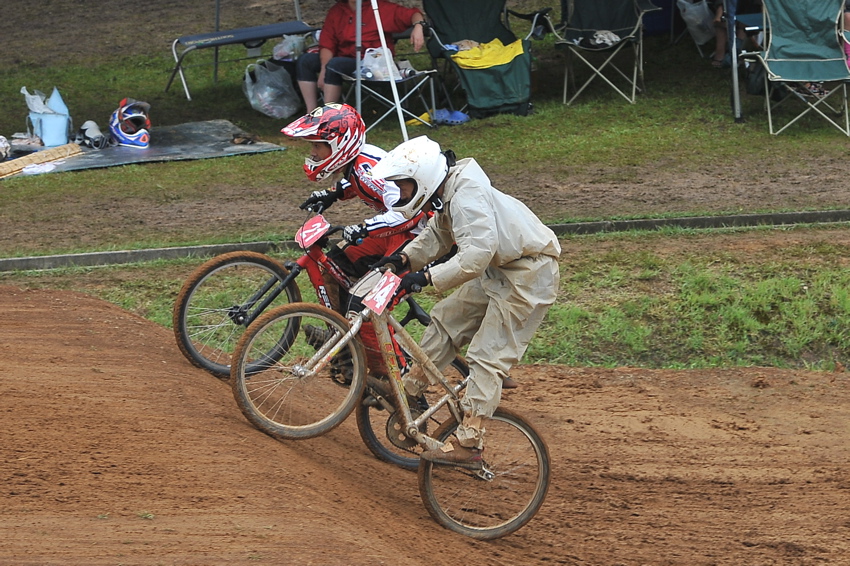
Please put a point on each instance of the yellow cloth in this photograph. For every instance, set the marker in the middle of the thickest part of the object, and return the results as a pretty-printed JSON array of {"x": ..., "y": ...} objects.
[{"x": 488, "y": 55}]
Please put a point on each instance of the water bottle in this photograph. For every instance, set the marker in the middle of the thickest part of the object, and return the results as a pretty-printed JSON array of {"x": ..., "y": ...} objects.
[{"x": 366, "y": 74}]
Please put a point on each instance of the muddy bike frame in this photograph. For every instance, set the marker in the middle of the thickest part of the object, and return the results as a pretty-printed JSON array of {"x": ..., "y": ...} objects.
[{"x": 485, "y": 499}]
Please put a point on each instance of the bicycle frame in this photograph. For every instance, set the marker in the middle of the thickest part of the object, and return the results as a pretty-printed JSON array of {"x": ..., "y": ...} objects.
[
  {"x": 381, "y": 322},
  {"x": 312, "y": 261}
]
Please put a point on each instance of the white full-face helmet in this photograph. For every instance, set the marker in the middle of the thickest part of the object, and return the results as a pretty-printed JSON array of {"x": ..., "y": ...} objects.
[{"x": 420, "y": 160}]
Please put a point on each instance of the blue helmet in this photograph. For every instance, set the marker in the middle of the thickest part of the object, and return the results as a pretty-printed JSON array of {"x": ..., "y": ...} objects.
[{"x": 130, "y": 125}]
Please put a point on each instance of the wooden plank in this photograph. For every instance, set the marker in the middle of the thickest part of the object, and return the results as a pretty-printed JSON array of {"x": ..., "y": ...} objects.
[{"x": 11, "y": 167}]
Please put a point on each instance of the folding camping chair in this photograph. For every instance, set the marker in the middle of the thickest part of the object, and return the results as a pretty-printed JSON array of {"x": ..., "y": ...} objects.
[
  {"x": 411, "y": 88},
  {"x": 804, "y": 46},
  {"x": 606, "y": 27},
  {"x": 496, "y": 78}
]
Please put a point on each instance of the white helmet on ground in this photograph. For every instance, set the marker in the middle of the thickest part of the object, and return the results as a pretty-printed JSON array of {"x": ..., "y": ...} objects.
[{"x": 420, "y": 160}]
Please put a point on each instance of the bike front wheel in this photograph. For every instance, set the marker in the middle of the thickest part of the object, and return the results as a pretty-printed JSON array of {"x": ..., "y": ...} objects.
[
  {"x": 501, "y": 498},
  {"x": 217, "y": 302},
  {"x": 276, "y": 378}
]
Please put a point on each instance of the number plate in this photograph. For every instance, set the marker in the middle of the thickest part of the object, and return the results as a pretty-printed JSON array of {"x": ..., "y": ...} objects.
[
  {"x": 312, "y": 231},
  {"x": 381, "y": 294}
]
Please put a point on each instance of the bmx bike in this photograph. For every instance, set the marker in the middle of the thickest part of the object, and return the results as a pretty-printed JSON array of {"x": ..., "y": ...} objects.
[
  {"x": 282, "y": 384},
  {"x": 226, "y": 294}
]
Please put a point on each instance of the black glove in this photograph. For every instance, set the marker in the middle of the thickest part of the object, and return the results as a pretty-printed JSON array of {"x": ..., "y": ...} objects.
[
  {"x": 320, "y": 200},
  {"x": 395, "y": 262},
  {"x": 414, "y": 282},
  {"x": 355, "y": 234}
]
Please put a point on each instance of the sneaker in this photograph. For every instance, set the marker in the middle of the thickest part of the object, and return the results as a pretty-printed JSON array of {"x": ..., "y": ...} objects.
[
  {"x": 381, "y": 386},
  {"x": 316, "y": 336},
  {"x": 342, "y": 366},
  {"x": 460, "y": 456},
  {"x": 509, "y": 383}
]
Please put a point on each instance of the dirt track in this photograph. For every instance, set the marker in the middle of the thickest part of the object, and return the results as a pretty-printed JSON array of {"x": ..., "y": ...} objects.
[{"x": 116, "y": 451}]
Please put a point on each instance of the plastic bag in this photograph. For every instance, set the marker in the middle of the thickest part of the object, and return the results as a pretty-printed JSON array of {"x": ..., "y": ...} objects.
[
  {"x": 269, "y": 89},
  {"x": 290, "y": 48},
  {"x": 699, "y": 19},
  {"x": 375, "y": 64}
]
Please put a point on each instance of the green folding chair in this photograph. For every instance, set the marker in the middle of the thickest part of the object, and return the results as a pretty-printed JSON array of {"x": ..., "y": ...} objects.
[
  {"x": 501, "y": 88},
  {"x": 595, "y": 33},
  {"x": 805, "y": 46}
]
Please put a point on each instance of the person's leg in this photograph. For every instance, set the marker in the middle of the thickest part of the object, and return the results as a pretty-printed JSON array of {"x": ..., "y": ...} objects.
[
  {"x": 307, "y": 74},
  {"x": 333, "y": 80},
  {"x": 719, "y": 38},
  {"x": 519, "y": 295}
]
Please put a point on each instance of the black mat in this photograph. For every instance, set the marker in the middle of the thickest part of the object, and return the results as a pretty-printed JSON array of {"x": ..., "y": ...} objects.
[{"x": 193, "y": 140}]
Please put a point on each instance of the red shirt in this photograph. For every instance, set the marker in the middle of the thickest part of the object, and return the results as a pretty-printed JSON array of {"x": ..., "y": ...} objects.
[{"x": 340, "y": 28}]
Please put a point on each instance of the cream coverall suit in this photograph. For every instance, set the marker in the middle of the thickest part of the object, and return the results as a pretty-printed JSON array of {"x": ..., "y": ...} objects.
[{"x": 507, "y": 268}]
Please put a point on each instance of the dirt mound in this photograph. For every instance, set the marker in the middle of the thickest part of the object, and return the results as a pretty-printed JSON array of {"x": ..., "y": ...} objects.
[{"x": 116, "y": 450}]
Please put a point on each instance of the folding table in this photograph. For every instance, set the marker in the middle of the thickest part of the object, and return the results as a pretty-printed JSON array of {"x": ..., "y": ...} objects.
[{"x": 251, "y": 37}]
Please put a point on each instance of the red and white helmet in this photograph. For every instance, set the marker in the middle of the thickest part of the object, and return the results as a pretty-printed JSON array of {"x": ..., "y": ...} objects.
[{"x": 338, "y": 125}]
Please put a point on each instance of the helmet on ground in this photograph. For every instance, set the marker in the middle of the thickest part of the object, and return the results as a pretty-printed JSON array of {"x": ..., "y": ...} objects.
[
  {"x": 420, "y": 160},
  {"x": 130, "y": 125},
  {"x": 338, "y": 125}
]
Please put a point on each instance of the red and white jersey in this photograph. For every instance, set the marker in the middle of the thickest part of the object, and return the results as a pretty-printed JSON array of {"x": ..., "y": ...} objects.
[{"x": 378, "y": 194}]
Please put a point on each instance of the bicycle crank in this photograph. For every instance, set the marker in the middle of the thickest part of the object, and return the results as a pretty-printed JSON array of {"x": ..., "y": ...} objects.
[{"x": 395, "y": 430}]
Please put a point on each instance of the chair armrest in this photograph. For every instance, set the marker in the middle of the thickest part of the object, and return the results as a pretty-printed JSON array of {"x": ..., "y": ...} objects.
[
  {"x": 530, "y": 17},
  {"x": 646, "y": 6}
]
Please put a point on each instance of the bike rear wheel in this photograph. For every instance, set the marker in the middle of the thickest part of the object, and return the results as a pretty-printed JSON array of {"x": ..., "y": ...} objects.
[
  {"x": 382, "y": 431},
  {"x": 274, "y": 384},
  {"x": 486, "y": 508},
  {"x": 214, "y": 305}
]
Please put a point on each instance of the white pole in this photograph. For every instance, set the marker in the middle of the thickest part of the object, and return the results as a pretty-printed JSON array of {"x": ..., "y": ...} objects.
[
  {"x": 731, "y": 10},
  {"x": 358, "y": 56},
  {"x": 389, "y": 59}
]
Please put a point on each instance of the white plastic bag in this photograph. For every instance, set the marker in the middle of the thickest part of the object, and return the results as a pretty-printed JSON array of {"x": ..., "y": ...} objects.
[
  {"x": 290, "y": 48},
  {"x": 699, "y": 19},
  {"x": 375, "y": 63},
  {"x": 269, "y": 89}
]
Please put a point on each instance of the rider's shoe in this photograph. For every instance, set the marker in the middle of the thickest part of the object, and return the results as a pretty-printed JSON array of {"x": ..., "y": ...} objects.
[
  {"x": 316, "y": 336},
  {"x": 509, "y": 383},
  {"x": 381, "y": 385},
  {"x": 451, "y": 455},
  {"x": 342, "y": 367}
]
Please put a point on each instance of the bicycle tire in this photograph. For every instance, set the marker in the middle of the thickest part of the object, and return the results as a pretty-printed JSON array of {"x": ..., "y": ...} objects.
[
  {"x": 482, "y": 509},
  {"x": 265, "y": 374},
  {"x": 205, "y": 314},
  {"x": 376, "y": 425}
]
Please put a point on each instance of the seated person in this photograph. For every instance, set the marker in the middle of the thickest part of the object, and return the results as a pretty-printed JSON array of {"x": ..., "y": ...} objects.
[
  {"x": 337, "y": 45},
  {"x": 721, "y": 58}
]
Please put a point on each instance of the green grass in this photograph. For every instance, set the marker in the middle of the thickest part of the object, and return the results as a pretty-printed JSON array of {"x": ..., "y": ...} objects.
[
  {"x": 623, "y": 301},
  {"x": 629, "y": 299}
]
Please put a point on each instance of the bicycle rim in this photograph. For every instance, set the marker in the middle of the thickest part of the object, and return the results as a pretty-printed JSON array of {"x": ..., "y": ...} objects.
[
  {"x": 208, "y": 315},
  {"x": 486, "y": 509},
  {"x": 266, "y": 380},
  {"x": 382, "y": 432}
]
